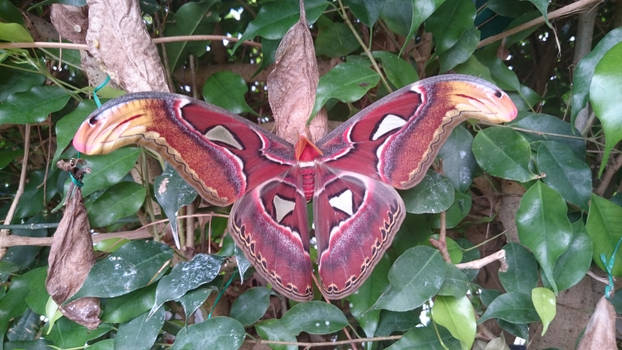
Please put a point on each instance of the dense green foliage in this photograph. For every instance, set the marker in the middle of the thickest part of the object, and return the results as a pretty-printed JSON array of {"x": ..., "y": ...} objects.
[{"x": 560, "y": 182}]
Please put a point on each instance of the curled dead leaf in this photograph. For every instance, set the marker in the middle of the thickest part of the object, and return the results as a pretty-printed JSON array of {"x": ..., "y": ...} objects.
[
  {"x": 293, "y": 82},
  {"x": 600, "y": 332},
  {"x": 84, "y": 311}
]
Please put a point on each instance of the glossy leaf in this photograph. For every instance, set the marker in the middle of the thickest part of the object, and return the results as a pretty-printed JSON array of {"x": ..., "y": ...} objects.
[
  {"x": 458, "y": 161},
  {"x": 458, "y": 316},
  {"x": 542, "y": 6},
  {"x": 67, "y": 126},
  {"x": 504, "y": 153},
  {"x": 14, "y": 32},
  {"x": 393, "y": 321},
  {"x": 572, "y": 266},
  {"x": 415, "y": 276},
  {"x": 141, "y": 332},
  {"x": 13, "y": 302},
  {"x": 449, "y": 22},
  {"x": 546, "y": 127},
  {"x": 456, "y": 283},
  {"x": 314, "y": 317},
  {"x": 605, "y": 98},
  {"x": 460, "y": 208},
  {"x": 227, "y": 90},
  {"x": 433, "y": 194},
  {"x": 172, "y": 192},
  {"x": 461, "y": 51},
  {"x": 334, "y": 39},
  {"x": 215, "y": 333},
  {"x": 543, "y": 226},
  {"x": 119, "y": 201},
  {"x": 426, "y": 338},
  {"x": 421, "y": 10},
  {"x": 17, "y": 80},
  {"x": 108, "y": 169},
  {"x": 367, "y": 11},
  {"x": 511, "y": 307},
  {"x": 582, "y": 75},
  {"x": 362, "y": 300},
  {"x": 249, "y": 307},
  {"x": 68, "y": 334},
  {"x": 398, "y": 71},
  {"x": 128, "y": 306},
  {"x": 565, "y": 172},
  {"x": 544, "y": 302},
  {"x": 398, "y": 16},
  {"x": 37, "y": 296},
  {"x": 522, "y": 273},
  {"x": 346, "y": 82},
  {"x": 274, "y": 329},
  {"x": 186, "y": 276},
  {"x": 192, "y": 300},
  {"x": 32, "y": 106},
  {"x": 604, "y": 226},
  {"x": 132, "y": 266},
  {"x": 186, "y": 21},
  {"x": 275, "y": 18}
]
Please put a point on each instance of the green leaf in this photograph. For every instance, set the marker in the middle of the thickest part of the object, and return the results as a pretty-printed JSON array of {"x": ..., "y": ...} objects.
[
  {"x": 449, "y": 23},
  {"x": 346, "y": 82},
  {"x": 185, "y": 22},
  {"x": 185, "y": 276},
  {"x": 504, "y": 153},
  {"x": 274, "y": 329},
  {"x": 109, "y": 169},
  {"x": 501, "y": 74},
  {"x": 68, "y": 334},
  {"x": 543, "y": 226},
  {"x": 399, "y": 71},
  {"x": 334, "y": 39},
  {"x": 141, "y": 332},
  {"x": 604, "y": 225},
  {"x": 314, "y": 317},
  {"x": 67, "y": 126},
  {"x": 132, "y": 266},
  {"x": 119, "y": 201},
  {"x": 14, "y": 32},
  {"x": 572, "y": 266},
  {"x": 393, "y": 321},
  {"x": 397, "y": 15},
  {"x": 546, "y": 127},
  {"x": 13, "y": 79},
  {"x": 249, "y": 307},
  {"x": 426, "y": 338},
  {"x": 542, "y": 6},
  {"x": 458, "y": 316},
  {"x": 106, "y": 344},
  {"x": 227, "y": 90},
  {"x": 172, "y": 192},
  {"x": 458, "y": 161},
  {"x": 421, "y": 10},
  {"x": 461, "y": 51},
  {"x": 415, "y": 276},
  {"x": 32, "y": 106},
  {"x": 456, "y": 283},
  {"x": 37, "y": 294},
  {"x": 433, "y": 194},
  {"x": 367, "y": 11},
  {"x": 606, "y": 99},
  {"x": 512, "y": 307},
  {"x": 128, "y": 306},
  {"x": 25, "y": 328},
  {"x": 10, "y": 13},
  {"x": 275, "y": 18},
  {"x": 474, "y": 66},
  {"x": 363, "y": 299},
  {"x": 460, "y": 208},
  {"x": 565, "y": 172},
  {"x": 544, "y": 301},
  {"x": 522, "y": 273},
  {"x": 582, "y": 75},
  {"x": 215, "y": 333},
  {"x": 13, "y": 302},
  {"x": 192, "y": 300}
]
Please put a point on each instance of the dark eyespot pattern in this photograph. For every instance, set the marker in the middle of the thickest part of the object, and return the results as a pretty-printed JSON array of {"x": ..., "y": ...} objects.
[
  {"x": 498, "y": 94},
  {"x": 92, "y": 120}
]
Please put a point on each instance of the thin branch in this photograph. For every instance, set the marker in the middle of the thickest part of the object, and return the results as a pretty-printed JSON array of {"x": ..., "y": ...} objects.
[
  {"x": 328, "y": 343},
  {"x": 161, "y": 40},
  {"x": 598, "y": 278},
  {"x": 441, "y": 243},
  {"x": 575, "y": 7},
  {"x": 479, "y": 263},
  {"x": 612, "y": 170},
  {"x": 20, "y": 188}
]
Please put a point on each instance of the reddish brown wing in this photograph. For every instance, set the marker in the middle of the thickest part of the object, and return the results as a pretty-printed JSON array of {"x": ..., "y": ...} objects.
[{"x": 222, "y": 155}]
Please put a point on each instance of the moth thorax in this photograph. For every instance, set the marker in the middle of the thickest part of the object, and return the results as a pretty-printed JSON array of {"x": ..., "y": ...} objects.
[{"x": 308, "y": 181}]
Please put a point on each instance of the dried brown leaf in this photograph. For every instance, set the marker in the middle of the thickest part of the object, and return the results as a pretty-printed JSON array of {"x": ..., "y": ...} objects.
[
  {"x": 117, "y": 38},
  {"x": 84, "y": 311},
  {"x": 600, "y": 332},
  {"x": 71, "y": 254},
  {"x": 293, "y": 82}
]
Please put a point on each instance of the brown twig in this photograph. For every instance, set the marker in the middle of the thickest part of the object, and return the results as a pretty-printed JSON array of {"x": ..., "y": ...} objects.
[
  {"x": 597, "y": 277},
  {"x": 161, "y": 40},
  {"x": 328, "y": 343},
  {"x": 441, "y": 243},
  {"x": 575, "y": 7},
  {"x": 20, "y": 189},
  {"x": 479, "y": 263},
  {"x": 608, "y": 175}
]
